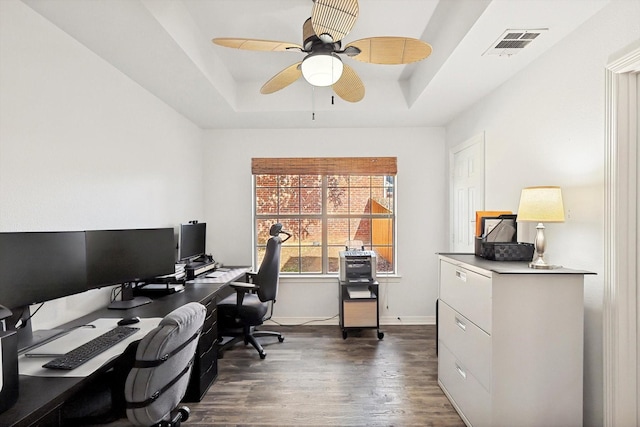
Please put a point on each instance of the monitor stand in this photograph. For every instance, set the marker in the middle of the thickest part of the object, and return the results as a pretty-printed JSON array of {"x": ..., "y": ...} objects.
[
  {"x": 27, "y": 338},
  {"x": 127, "y": 299}
]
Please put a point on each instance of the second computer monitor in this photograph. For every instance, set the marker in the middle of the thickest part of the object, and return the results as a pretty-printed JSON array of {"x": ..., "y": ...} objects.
[
  {"x": 121, "y": 256},
  {"x": 192, "y": 240}
]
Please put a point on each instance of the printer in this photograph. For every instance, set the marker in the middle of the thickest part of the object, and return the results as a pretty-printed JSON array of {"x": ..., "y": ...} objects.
[{"x": 357, "y": 266}]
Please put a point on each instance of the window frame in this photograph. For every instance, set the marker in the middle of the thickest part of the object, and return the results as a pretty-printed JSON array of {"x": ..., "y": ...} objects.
[{"x": 325, "y": 169}]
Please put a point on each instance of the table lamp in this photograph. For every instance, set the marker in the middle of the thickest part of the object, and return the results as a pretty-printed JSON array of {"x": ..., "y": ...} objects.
[{"x": 540, "y": 204}]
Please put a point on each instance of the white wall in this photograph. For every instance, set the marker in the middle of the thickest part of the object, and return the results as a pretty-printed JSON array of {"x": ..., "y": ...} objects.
[
  {"x": 84, "y": 147},
  {"x": 420, "y": 211},
  {"x": 546, "y": 127}
]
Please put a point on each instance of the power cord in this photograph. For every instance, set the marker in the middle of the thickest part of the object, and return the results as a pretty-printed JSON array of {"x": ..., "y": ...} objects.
[
  {"x": 23, "y": 322},
  {"x": 307, "y": 322}
]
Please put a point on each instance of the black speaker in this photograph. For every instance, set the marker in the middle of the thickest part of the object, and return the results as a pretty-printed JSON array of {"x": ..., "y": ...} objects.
[{"x": 8, "y": 369}]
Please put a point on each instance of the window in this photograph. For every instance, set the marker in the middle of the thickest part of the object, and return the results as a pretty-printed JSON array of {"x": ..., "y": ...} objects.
[{"x": 324, "y": 203}]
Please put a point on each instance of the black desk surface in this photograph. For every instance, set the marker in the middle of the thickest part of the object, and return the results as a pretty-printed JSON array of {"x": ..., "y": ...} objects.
[{"x": 40, "y": 395}]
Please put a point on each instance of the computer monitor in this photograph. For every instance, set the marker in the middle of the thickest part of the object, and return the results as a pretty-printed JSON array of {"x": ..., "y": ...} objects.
[
  {"x": 128, "y": 256},
  {"x": 37, "y": 267},
  {"x": 41, "y": 266},
  {"x": 192, "y": 240}
]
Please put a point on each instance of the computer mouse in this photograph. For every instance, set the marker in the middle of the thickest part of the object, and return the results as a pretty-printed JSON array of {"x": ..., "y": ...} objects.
[{"x": 128, "y": 321}]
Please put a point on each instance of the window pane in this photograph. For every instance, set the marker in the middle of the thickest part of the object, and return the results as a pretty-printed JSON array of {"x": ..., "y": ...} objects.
[
  {"x": 311, "y": 232},
  {"x": 266, "y": 200},
  {"x": 289, "y": 200},
  {"x": 334, "y": 258},
  {"x": 311, "y": 181},
  {"x": 337, "y": 194},
  {"x": 311, "y": 259},
  {"x": 266, "y": 180},
  {"x": 289, "y": 180},
  {"x": 311, "y": 201},
  {"x": 359, "y": 200},
  {"x": 359, "y": 181},
  {"x": 292, "y": 226},
  {"x": 338, "y": 180},
  {"x": 361, "y": 230},
  {"x": 290, "y": 259},
  {"x": 337, "y": 231},
  {"x": 262, "y": 227},
  {"x": 384, "y": 258}
]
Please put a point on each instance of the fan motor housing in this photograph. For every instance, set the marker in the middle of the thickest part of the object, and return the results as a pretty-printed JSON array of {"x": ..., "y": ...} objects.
[{"x": 311, "y": 41}]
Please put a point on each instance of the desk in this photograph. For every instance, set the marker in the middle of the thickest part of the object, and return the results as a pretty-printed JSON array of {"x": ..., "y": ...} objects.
[{"x": 41, "y": 398}]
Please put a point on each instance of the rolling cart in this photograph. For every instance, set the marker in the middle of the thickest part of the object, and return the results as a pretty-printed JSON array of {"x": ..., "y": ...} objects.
[{"x": 359, "y": 306}]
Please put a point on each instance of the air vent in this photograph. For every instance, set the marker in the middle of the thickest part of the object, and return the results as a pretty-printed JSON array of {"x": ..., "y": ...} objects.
[{"x": 513, "y": 41}]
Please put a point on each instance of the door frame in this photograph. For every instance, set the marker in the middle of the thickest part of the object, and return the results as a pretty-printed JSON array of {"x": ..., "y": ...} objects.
[{"x": 622, "y": 270}]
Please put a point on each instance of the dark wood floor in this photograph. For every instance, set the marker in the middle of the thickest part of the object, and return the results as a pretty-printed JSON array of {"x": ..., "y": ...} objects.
[{"x": 315, "y": 378}]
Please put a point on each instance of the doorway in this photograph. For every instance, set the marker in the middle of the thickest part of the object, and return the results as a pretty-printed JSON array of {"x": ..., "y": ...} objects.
[{"x": 466, "y": 166}]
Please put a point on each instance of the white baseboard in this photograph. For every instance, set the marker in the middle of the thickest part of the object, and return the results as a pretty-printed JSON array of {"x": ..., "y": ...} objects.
[{"x": 385, "y": 320}]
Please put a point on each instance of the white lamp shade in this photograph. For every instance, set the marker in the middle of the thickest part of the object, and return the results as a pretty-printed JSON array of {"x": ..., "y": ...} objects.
[
  {"x": 541, "y": 204},
  {"x": 322, "y": 69}
]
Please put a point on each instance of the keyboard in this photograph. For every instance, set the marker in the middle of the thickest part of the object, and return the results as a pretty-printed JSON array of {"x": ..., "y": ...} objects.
[{"x": 91, "y": 349}]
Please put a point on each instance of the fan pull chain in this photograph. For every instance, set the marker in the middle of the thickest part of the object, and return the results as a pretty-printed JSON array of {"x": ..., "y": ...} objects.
[{"x": 313, "y": 103}]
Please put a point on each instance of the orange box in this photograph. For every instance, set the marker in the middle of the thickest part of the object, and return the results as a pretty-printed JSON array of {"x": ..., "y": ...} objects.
[{"x": 482, "y": 214}]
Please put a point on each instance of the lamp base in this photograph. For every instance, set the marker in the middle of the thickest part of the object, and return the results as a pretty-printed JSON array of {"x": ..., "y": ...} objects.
[
  {"x": 540, "y": 243},
  {"x": 540, "y": 264},
  {"x": 543, "y": 267}
]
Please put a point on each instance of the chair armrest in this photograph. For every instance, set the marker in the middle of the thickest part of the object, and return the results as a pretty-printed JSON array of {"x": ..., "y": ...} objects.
[{"x": 242, "y": 288}]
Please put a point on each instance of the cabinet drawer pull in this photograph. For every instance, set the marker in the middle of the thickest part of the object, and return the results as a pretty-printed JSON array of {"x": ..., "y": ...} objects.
[
  {"x": 461, "y": 324},
  {"x": 461, "y": 275},
  {"x": 461, "y": 372}
]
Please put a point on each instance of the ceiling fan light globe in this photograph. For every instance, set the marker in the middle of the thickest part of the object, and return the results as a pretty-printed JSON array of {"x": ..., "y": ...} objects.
[{"x": 322, "y": 69}]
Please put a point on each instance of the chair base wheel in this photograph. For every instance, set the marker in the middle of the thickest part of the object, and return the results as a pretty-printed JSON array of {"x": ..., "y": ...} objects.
[{"x": 281, "y": 338}]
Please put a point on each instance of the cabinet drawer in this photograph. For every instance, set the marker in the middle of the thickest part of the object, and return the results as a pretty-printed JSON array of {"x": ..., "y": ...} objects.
[
  {"x": 468, "y": 292},
  {"x": 360, "y": 313},
  {"x": 468, "y": 343},
  {"x": 468, "y": 396}
]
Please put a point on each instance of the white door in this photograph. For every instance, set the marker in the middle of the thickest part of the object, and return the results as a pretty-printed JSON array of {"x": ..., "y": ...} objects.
[{"x": 467, "y": 191}]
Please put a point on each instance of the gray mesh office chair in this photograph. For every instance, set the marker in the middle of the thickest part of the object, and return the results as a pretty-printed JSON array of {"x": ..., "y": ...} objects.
[
  {"x": 158, "y": 380},
  {"x": 153, "y": 372},
  {"x": 239, "y": 314}
]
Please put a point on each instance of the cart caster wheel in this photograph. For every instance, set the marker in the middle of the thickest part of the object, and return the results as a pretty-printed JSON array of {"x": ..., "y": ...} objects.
[
  {"x": 380, "y": 335},
  {"x": 344, "y": 335},
  {"x": 263, "y": 355},
  {"x": 281, "y": 338}
]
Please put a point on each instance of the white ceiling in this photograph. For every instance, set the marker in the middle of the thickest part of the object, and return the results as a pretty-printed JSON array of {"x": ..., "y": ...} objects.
[{"x": 165, "y": 46}]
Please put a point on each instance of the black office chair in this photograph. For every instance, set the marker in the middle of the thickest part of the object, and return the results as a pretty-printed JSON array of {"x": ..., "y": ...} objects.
[
  {"x": 240, "y": 314},
  {"x": 153, "y": 373}
]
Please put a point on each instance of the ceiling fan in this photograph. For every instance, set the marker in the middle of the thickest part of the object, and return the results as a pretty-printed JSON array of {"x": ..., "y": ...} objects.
[{"x": 330, "y": 22}]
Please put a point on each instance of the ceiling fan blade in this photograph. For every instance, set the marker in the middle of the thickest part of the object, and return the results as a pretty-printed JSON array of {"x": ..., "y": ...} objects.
[
  {"x": 334, "y": 17},
  {"x": 283, "y": 79},
  {"x": 391, "y": 50},
  {"x": 349, "y": 87},
  {"x": 254, "y": 44}
]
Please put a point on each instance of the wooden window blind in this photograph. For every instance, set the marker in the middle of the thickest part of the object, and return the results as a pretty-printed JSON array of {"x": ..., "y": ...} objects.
[{"x": 324, "y": 166}]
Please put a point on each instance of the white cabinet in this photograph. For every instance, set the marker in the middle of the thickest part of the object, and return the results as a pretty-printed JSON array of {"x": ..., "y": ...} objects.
[{"x": 510, "y": 342}]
